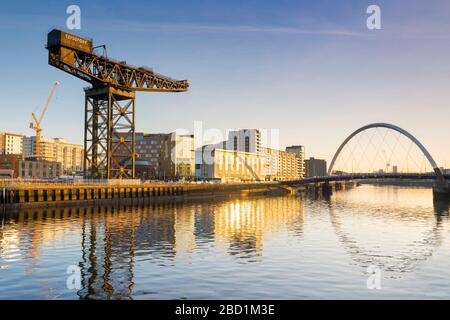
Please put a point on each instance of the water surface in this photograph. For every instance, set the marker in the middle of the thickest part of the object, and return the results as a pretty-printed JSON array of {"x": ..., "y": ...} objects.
[{"x": 292, "y": 247}]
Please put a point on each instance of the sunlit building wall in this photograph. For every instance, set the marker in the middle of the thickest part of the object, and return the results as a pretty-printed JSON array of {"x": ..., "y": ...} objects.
[
  {"x": 281, "y": 165},
  {"x": 69, "y": 155},
  {"x": 299, "y": 151},
  {"x": 228, "y": 165},
  {"x": 11, "y": 143}
]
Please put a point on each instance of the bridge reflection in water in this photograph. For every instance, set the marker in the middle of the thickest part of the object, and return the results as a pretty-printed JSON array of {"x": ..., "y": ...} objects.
[
  {"x": 263, "y": 247},
  {"x": 365, "y": 220}
]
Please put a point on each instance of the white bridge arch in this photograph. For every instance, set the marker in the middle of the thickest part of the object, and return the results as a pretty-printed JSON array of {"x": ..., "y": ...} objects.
[{"x": 436, "y": 168}]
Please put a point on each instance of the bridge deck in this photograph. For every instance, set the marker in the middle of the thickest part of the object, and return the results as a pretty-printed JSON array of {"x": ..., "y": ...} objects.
[{"x": 366, "y": 176}]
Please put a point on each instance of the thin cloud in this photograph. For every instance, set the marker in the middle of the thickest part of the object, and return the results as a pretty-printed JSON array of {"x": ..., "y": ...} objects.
[
  {"x": 207, "y": 28},
  {"x": 256, "y": 29}
]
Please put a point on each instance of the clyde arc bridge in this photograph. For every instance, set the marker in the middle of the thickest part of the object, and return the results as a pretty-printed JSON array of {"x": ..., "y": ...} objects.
[{"x": 441, "y": 184}]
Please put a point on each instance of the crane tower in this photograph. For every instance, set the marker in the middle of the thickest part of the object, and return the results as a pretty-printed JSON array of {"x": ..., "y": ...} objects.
[{"x": 109, "y": 124}]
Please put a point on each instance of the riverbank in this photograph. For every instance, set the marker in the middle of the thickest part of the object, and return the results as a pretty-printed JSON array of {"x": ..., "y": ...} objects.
[{"x": 72, "y": 195}]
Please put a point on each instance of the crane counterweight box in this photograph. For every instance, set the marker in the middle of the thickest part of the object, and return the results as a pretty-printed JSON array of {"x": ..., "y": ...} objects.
[{"x": 57, "y": 38}]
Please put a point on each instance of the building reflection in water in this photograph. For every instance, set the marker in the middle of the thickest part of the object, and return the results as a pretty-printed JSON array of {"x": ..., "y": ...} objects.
[{"x": 112, "y": 240}]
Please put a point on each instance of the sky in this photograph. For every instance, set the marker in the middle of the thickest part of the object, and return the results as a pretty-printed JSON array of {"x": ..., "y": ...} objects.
[{"x": 311, "y": 69}]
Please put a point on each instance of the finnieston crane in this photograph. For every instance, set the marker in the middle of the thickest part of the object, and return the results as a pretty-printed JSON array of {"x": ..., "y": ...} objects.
[
  {"x": 109, "y": 126},
  {"x": 37, "y": 121}
]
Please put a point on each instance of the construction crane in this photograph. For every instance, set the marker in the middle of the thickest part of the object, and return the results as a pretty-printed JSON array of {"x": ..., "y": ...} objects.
[
  {"x": 38, "y": 121},
  {"x": 109, "y": 126}
]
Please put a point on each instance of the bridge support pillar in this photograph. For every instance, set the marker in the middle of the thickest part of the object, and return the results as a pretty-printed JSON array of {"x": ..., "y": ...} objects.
[
  {"x": 327, "y": 189},
  {"x": 441, "y": 190}
]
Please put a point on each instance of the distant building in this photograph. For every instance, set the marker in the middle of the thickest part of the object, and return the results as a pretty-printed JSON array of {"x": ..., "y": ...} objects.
[
  {"x": 230, "y": 165},
  {"x": 281, "y": 165},
  {"x": 9, "y": 165},
  {"x": 167, "y": 155},
  {"x": 299, "y": 151},
  {"x": 69, "y": 155},
  {"x": 246, "y": 143},
  {"x": 315, "y": 167},
  {"x": 394, "y": 169},
  {"x": 182, "y": 155},
  {"x": 41, "y": 169},
  {"x": 151, "y": 148},
  {"x": 11, "y": 143},
  {"x": 244, "y": 140},
  {"x": 142, "y": 168}
]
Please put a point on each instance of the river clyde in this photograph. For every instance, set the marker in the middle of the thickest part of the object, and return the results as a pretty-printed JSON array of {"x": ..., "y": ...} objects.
[{"x": 284, "y": 247}]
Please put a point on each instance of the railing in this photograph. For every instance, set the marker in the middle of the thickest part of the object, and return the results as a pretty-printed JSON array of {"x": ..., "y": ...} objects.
[{"x": 12, "y": 183}]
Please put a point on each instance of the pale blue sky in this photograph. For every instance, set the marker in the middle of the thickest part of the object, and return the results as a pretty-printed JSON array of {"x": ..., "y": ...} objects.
[{"x": 309, "y": 68}]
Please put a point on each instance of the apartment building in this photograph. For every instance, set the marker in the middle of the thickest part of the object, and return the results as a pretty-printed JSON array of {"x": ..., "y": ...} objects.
[
  {"x": 281, "y": 165},
  {"x": 299, "y": 151},
  {"x": 11, "y": 143},
  {"x": 69, "y": 155}
]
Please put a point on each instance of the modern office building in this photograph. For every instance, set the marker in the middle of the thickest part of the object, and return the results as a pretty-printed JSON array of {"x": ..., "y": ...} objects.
[
  {"x": 69, "y": 155},
  {"x": 246, "y": 143},
  {"x": 315, "y": 167},
  {"x": 168, "y": 155},
  {"x": 11, "y": 143},
  {"x": 229, "y": 165},
  {"x": 151, "y": 147}
]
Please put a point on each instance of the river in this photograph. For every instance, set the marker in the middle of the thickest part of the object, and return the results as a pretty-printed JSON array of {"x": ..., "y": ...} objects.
[{"x": 370, "y": 242}]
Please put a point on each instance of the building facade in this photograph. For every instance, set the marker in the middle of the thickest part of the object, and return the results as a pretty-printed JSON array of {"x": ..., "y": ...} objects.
[
  {"x": 299, "y": 151},
  {"x": 315, "y": 167},
  {"x": 56, "y": 150},
  {"x": 281, "y": 165},
  {"x": 229, "y": 165},
  {"x": 244, "y": 140},
  {"x": 9, "y": 165},
  {"x": 168, "y": 155},
  {"x": 32, "y": 169},
  {"x": 11, "y": 143},
  {"x": 182, "y": 155},
  {"x": 277, "y": 165}
]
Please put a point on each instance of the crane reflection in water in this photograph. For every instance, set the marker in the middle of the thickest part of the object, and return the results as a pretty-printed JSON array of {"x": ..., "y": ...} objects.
[
  {"x": 112, "y": 238},
  {"x": 127, "y": 252}
]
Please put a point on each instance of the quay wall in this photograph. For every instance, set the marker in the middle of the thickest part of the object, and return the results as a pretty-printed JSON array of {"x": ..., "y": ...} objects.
[{"x": 54, "y": 195}]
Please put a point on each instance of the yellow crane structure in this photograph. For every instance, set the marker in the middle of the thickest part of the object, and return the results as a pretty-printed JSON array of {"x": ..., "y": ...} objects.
[
  {"x": 109, "y": 124},
  {"x": 36, "y": 126}
]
